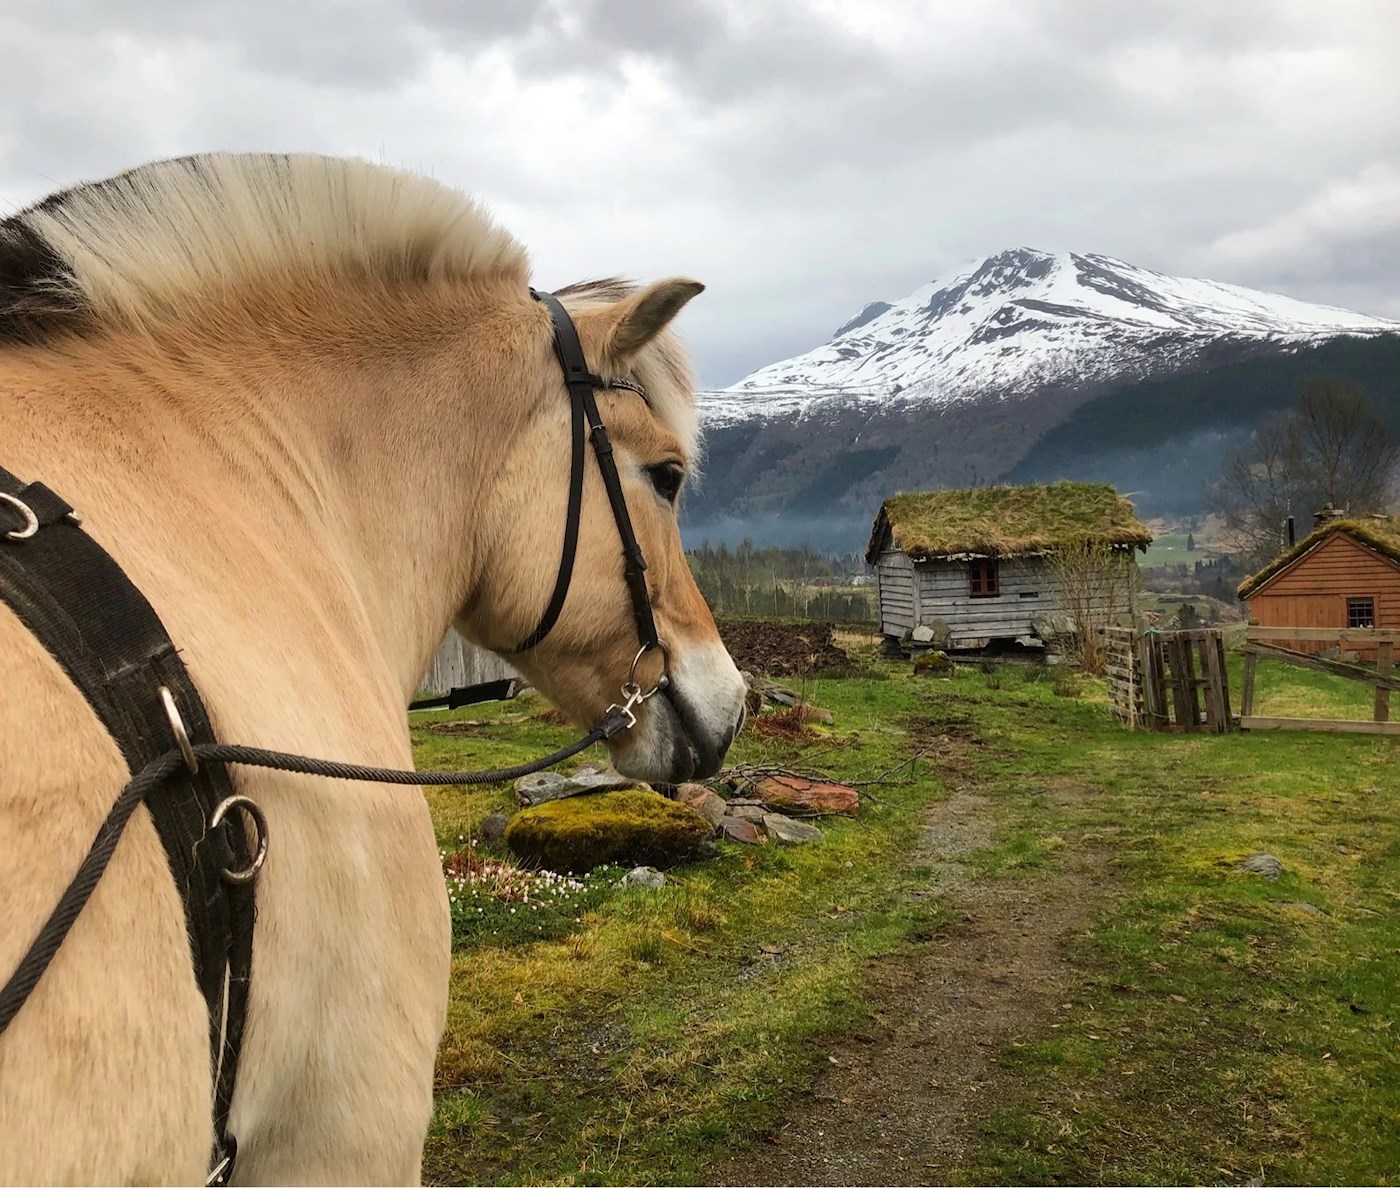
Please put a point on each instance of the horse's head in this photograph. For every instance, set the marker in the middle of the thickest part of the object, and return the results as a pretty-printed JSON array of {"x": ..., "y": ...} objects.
[{"x": 587, "y": 654}]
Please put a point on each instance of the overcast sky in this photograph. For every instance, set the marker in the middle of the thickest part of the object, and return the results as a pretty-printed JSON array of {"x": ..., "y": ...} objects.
[{"x": 802, "y": 158}]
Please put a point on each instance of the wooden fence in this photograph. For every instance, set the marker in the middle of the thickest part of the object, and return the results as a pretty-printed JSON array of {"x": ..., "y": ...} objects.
[
  {"x": 1266, "y": 641},
  {"x": 1169, "y": 680}
]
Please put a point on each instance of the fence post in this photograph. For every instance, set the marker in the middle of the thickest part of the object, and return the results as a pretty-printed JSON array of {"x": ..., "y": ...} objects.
[{"x": 1383, "y": 657}]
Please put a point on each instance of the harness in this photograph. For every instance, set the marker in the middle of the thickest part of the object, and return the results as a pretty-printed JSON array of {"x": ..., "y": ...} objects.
[{"x": 99, "y": 627}]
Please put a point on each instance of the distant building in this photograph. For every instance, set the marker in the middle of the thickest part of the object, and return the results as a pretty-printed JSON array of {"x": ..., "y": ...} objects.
[
  {"x": 965, "y": 568},
  {"x": 1345, "y": 573}
]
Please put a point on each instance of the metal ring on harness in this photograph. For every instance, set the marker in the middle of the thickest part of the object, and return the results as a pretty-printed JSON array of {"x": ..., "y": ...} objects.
[
  {"x": 177, "y": 728},
  {"x": 31, "y": 521},
  {"x": 255, "y": 814}
]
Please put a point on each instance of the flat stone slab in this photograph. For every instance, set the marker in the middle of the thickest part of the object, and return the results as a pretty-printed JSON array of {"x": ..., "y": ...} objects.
[
  {"x": 789, "y": 832},
  {"x": 792, "y": 792},
  {"x": 739, "y": 830},
  {"x": 545, "y": 786}
]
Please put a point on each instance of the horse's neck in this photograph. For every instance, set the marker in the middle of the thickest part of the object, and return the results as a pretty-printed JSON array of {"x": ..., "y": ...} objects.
[{"x": 359, "y": 467}]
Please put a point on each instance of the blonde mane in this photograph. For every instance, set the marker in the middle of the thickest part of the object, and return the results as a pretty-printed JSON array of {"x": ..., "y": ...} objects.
[{"x": 136, "y": 247}]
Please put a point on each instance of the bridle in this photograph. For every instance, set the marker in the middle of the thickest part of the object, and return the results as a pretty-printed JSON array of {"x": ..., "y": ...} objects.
[
  {"x": 48, "y": 566},
  {"x": 581, "y": 384}
]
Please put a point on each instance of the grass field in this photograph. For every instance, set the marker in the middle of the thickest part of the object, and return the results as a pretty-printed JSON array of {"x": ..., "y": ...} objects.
[{"x": 1220, "y": 1027}]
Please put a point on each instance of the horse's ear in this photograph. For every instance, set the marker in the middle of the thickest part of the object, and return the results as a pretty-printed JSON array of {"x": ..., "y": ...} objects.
[{"x": 630, "y": 324}]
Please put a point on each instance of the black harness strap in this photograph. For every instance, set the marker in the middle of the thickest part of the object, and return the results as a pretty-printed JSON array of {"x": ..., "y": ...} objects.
[
  {"x": 581, "y": 384},
  {"x": 99, "y": 627}
]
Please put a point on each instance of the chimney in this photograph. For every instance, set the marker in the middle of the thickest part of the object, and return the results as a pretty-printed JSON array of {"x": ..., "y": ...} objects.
[
  {"x": 1291, "y": 534},
  {"x": 1326, "y": 515}
]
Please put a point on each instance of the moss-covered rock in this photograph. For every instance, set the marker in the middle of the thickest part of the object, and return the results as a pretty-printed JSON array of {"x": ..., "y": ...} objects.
[
  {"x": 934, "y": 663},
  {"x": 636, "y": 828}
]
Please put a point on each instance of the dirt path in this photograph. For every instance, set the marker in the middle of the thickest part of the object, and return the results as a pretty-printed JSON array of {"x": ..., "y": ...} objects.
[{"x": 902, "y": 1100}]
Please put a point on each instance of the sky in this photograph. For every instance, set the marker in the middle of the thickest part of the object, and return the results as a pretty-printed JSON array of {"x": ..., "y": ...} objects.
[{"x": 801, "y": 158}]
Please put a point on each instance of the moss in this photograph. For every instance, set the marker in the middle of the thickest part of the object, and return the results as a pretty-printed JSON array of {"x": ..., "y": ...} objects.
[
  {"x": 1006, "y": 521},
  {"x": 1381, "y": 533},
  {"x": 632, "y": 827}
]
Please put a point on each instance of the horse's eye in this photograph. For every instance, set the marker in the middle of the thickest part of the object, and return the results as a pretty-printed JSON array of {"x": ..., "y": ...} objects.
[{"x": 667, "y": 477}]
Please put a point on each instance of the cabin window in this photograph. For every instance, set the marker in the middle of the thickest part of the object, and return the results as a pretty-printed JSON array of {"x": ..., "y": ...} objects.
[
  {"x": 1361, "y": 612},
  {"x": 983, "y": 580}
]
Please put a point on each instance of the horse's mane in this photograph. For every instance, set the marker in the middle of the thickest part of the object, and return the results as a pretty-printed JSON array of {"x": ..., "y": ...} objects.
[{"x": 136, "y": 247}]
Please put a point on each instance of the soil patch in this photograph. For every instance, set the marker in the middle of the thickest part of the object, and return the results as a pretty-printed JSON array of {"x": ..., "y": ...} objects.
[
  {"x": 771, "y": 648},
  {"x": 901, "y": 1101}
]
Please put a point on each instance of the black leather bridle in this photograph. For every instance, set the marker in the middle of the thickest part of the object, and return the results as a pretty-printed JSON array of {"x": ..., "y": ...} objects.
[{"x": 581, "y": 384}]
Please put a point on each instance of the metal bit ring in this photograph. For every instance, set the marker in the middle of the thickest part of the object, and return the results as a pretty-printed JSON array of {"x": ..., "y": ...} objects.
[{"x": 177, "y": 728}]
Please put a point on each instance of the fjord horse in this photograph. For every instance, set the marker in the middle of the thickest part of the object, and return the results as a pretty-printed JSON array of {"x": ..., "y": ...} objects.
[{"x": 310, "y": 407}]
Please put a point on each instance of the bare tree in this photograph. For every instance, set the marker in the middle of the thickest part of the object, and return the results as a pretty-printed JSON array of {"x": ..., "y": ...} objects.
[
  {"x": 1096, "y": 584},
  {"x": 1331, "y": 449}
]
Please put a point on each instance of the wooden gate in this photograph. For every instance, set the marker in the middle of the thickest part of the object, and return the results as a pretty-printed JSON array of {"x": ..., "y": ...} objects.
[
  {"x": 1169, "y": 680},
  {"x": 1269, "y": 641}
]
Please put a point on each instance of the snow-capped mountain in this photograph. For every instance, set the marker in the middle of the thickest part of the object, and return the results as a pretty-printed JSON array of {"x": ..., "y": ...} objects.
[{"x": 1019, "y": 322}]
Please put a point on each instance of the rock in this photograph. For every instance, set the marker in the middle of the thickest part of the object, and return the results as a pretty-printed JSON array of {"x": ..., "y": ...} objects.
[
  {"x": 644, "y": 876},
  {"x": 634, "y": 826},
  {"x": 780, "y": 695},
  {"x": 934, "y": 664},
  {"x": 739, "y": 830},
  {"x": 1300, "y": 906},
  {"x": 493, "y": 828},
  {"x": 790, "y": 832},
  {"x": 747, "y": 812},
  {"x": 806, "y": 796},
  {"x": 753, "y": 695},
  {"x": 545, "y": 786},
  {"x": 1261, "y": 864},
  {"x": 922, "y": 634},
  {"x": 814, "y": 713},
  {"x": 740, "y": 801},
  {"x": 702, "y": 800}
]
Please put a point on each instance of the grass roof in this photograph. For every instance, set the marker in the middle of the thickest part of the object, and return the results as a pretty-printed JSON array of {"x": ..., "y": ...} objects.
[
  {"x": 1381, "y": 533},
  {"x": 1005, "y": 521}
]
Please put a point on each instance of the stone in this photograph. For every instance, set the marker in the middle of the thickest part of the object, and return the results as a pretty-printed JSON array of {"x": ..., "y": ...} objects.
[
  {"x": 1261, "y": 864},
  {"x": 789, "y": 832},
  {"x": 814, "y": 713},
  {"x": 922, "y": 634},
  {"x": 493, "y": 828},
  {"x": 753, "y": 695},
  {"x": 934, "y": 663},
  {"x": 746, "y": 812},
  {"x": 644, "y": 876},
  {"x": 1299, "y": 906},
  {"x": 780, "y": 695},
  {"x": 702, "y": 800},
  {"x": 545, "y": 786},
  {"x": 634, "y": 827},
  {"x": 736, "y": 829},
  {"x": 796, "y": 792}
]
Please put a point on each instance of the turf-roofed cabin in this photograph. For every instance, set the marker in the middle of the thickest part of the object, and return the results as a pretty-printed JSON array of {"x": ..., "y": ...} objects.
[
  {"x": 1345, "y": 573},
  {"x": 976, "y": 567}
]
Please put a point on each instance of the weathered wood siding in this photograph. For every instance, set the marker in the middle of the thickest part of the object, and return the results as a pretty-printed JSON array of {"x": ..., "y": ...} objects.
[
  {"x": 1313, "y": 591},
  {"x": 913, "y": 593},
  {"x": 894, "y": 575},
  {"x": 459, "y": 663}
]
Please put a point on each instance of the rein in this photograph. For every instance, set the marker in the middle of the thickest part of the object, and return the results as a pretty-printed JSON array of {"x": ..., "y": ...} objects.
[{"x": 52, "y": 595}]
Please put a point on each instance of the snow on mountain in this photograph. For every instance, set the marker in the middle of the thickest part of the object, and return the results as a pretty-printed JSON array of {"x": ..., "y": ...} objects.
[{"x": 1013, "y": 323}]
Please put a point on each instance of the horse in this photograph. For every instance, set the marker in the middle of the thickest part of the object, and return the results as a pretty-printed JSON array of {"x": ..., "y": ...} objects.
[{"x": 312, "y": 409}]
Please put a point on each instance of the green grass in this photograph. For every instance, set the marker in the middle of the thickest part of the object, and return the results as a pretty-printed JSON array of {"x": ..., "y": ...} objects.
[
  {"x": 1169, "y": 549},
  {"x": 1217, "y": 1031}
]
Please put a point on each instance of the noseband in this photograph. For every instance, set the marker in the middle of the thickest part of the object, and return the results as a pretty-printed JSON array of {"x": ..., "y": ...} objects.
[{"x": 581, "y": 384}]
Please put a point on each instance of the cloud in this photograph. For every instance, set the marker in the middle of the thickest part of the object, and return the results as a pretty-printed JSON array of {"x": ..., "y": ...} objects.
[{"x": 802, "y": 158}]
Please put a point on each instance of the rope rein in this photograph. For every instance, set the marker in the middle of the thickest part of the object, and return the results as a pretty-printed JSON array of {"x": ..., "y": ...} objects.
[{"x": 56, "y": 928}]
